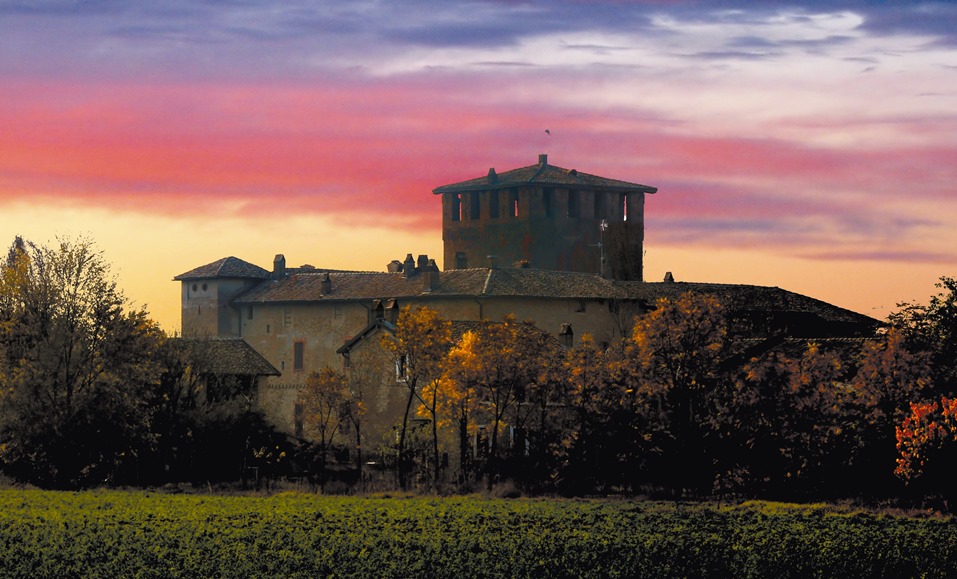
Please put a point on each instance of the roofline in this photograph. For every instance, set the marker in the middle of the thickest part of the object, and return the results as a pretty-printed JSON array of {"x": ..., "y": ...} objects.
[
  {"x": 626, "y": 187},
  {"x": 637, "y": 188}
]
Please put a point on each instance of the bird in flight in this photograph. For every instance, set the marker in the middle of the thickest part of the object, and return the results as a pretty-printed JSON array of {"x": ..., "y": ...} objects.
[{"x": 547, "y": 132}]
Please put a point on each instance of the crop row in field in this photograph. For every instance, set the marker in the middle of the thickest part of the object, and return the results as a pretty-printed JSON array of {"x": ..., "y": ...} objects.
[{"x": 140, "y": 534}]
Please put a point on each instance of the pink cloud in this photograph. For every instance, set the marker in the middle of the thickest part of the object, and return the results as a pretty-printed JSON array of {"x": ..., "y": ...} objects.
[{"x": 378, "y": 147}]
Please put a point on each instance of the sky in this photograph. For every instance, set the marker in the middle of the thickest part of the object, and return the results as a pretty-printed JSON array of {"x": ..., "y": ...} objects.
[{"x": 808, "y": 145}]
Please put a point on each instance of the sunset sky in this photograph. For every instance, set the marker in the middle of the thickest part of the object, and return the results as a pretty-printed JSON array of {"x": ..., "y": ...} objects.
[{"x": 808, "y": 145}]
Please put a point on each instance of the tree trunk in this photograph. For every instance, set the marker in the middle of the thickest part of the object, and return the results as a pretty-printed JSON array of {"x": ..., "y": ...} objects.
[{"x": 405, "y": 425}]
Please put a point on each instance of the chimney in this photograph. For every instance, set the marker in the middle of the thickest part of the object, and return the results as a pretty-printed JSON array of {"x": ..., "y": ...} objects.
[
  {"x": 279, "y": 266},
  {"x": 543, "y": 159},
  {"x": 422, "y": 262},
  {"x": 492, "y": 177},
  {"x": 391, "y": 311},
  {"x": 669, "y": 278},
  {"x": 408, "y": 268},
  {"x": 394, "y": 266},
  {"x": 326, "y": 284},
  {"x": 431, "y": 279}
]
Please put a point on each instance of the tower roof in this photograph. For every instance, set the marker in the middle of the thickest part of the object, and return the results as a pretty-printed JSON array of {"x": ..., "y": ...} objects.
[
  {"x": 227, "y": 267},
  {"x": 542, "y": 173}
]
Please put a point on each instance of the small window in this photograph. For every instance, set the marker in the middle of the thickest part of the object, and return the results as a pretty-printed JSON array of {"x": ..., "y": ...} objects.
[
  {"x": 249, "y": 313},
  {"x": 461, "y": 260},
  {"x": 493, "y": 204},
  {"x": 547, "y": 201},
  {"x": 513, "y": 201},
  {"x": 195, "y": 287},
  {"x": 268, "y": 328},
  {"x": 401, "y": 369},
  {"x": 205, "y": 287},
  {"x": 298, "y": 349}
]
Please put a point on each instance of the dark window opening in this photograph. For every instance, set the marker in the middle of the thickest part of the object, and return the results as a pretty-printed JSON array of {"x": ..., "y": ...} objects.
[
  {"x": 456, "y": 207},
  {"x": 298, "y": 349},
  {"x": 547, "y": 201},
  {"x": 572, "y": 203},
  {"x": 493, "y": 204},
  {"x": 475, "y": 205},
  {"x": 513, "y": 201},
  {"x": 461, "y": 260},
  {"x": 249, "y": 314},
  {"x": 600, "y": 206}
]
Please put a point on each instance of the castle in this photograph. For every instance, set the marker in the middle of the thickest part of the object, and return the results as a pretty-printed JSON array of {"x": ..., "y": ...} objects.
[{"x": 553, "y": 245}]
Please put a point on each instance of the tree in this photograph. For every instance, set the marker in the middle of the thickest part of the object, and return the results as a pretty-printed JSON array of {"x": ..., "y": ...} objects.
[
  {"x": 74, "y": 365},
  {"x": 785, "y": 419},
  {"x": 456, "y": 397},
  {"x": 421, "y": 340},
  {"x": 675, "y": 351},
  {"x": 931, "y": 329},
  {"x": 326, "y": 404},
  {"x": 503, "y": 363},
  {"x": 604, "y": 442}
]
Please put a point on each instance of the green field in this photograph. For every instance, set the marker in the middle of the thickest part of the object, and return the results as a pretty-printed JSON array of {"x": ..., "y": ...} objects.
[{"x": 148, "y": 534}]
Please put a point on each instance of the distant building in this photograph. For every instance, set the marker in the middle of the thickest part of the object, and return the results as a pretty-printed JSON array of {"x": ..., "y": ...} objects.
[{"x": 546, "y": 270}]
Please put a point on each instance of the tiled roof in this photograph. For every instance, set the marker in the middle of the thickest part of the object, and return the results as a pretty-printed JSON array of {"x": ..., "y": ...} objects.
[
  {"x": 230, "y": 356},
  {"x": 535, "y": 283},
  {"x": 542, "y": 174},
  {"x": 746, "y": 297},
  {"x": 227, "y": 267},
  {"x": 307, "y": 287}
]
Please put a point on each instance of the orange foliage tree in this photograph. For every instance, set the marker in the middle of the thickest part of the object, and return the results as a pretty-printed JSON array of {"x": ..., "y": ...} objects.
[
  {"x": 927, "y": 445},
  {"x": 502, "y": 364},
  {"x": 421, "y": 340}
]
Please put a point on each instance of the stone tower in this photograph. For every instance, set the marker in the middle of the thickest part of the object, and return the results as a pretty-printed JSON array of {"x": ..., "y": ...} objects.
[{"x": 545, "y": 217}]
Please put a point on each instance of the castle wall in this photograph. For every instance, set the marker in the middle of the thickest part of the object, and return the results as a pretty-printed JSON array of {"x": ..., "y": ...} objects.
[{"x": 322, "y": 328}]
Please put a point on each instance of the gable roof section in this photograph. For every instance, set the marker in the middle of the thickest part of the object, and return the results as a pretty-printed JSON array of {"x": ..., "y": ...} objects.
[
  {"x": 746, "y": 297},
  {"x": 230, "y": 356},
  {"x": 227, "y": 267},
  {"x": 542, "y": 174},
  {"x": 459, "y": 328},
  {"x": 372, "y": 328}
]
